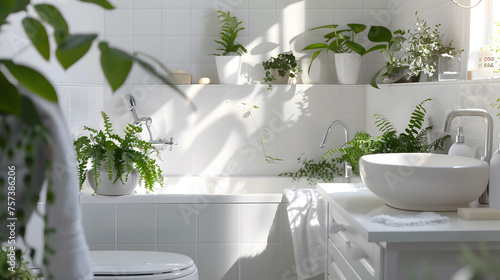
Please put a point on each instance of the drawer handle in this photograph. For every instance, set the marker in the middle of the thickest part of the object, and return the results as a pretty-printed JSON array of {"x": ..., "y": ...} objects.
[
  {"x": 335, "y": 228},
  {"x": 355, "y": 253}
]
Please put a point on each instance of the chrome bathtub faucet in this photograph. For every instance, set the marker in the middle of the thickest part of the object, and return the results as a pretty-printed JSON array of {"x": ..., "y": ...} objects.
[
  {"x": 130, "y": 105},
  {"x": 347, "y": 167},
  {"x": 488, "y": 137}
]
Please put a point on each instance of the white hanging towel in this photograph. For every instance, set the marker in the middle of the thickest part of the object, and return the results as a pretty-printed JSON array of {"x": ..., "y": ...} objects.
[
  {"x": 307, "y": 217},
  {"x": 71, "y": 260}
]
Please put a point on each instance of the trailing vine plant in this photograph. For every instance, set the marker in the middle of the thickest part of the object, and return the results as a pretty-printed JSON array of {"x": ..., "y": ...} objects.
[
  {"x": 413, "y": 140},
  {"x": 247, "y": 108},
  {"x": 118, "y": 155}
]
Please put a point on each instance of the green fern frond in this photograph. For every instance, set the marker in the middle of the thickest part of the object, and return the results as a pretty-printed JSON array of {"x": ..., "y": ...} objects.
[
  {"x": 383, "y": 124},
  {"x": 230, "y": 27}
]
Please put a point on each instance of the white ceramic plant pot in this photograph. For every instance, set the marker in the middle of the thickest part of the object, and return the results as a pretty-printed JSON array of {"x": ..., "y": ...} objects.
[
  {"x": 283, "y": 80},
  {"x": 228, "y": 69},
  {"x": 106, "y": 186},
  {"x": 348, "y": 66}
]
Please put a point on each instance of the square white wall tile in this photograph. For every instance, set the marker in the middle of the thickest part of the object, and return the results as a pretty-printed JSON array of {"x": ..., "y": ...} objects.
[
  {"x": 147, "y": 4},
  {"x": 232, "y": 4},
  {"x": 319, "y": 17},
  {"x": 345, "y": 16},
  {"x": 137, "y": 224},
  {"x": 352, "y": 101},
  {"x": 136, "y": 247},
  {"x": 99, "y": 223},
  {"x": 176, "y": 49},
  {"x": 218, "y": 261},
  {"x": 262, "y": 4},
  {"x": 177, "y": 223},
  {"x": 102, "y": 247},
  {"x": 377, "y": 17},
  {"x": 204, "y": 22},
  {"x": 118, "y": 22},
  {"x": 147, "y": 22},
  {"x": 176, "y": 22},
  {"x": 260, "y": 261},
  {"x": 319, "y": 4},
  {"x": 351, "y": 4},
  {"x": 202, "y": 48},
  {"x": 123, "y": 4},
  {"x": 150, "y": 45},
  {"x": 204, "y": 4},
  {"x": 176, "y": 4},
  {"x": 262, "y": 22},
  {"x": 219, "y": 223},
  {"x": 376, "y": 4},
  {"x": 260, "y": 223}
]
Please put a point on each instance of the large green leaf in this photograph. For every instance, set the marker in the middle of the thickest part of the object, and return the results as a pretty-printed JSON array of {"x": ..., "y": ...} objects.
[
  {"x": 52, "y": 16},
  {"x": 316, "y": 46},
  {"x": 356, "y": 47},
  {"x": 6, "y": 8},
  {"x": 151, "y": 70},
  {"x": 32, "y": 80},
  {"x": 312, "y": 59},
  {"x": 38, "y": 36},
  {"x": 379, "y": 34},
  {"x": 325, "y": 26},
  {"x": 356, "y": 27},
  {"x": 11, "y": 101},
  {"x": 74, "y": 47},
  {"x": 116, "y": 65},
  {"x": 377, "y": 47},
  {"x": 103, "y": 3},
  {"x": 29, "y": 113},
  {"x": 20, "y": 5}
]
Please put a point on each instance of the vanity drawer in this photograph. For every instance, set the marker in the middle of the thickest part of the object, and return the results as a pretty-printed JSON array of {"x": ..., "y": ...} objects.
[
  {"x": 338, "y": 266},
  {"x": 366, "y": 258}
]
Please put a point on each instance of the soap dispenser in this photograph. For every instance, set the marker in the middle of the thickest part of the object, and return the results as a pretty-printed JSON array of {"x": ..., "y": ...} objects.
[
  {"x": 494, "y": 186},
  {"x": 459, "y": 148}
]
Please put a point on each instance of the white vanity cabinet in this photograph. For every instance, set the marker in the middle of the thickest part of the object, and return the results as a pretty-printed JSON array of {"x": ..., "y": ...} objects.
[{"x": 360, "y": 249}]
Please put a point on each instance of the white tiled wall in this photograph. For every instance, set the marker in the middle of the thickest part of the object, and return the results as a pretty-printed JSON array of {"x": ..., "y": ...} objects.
[
  {"x": 226, "y": 241},
  {"x": 219, "y": 138},
  {"x": 181, "y": 34},
  {"x": 445, "y": 98}
]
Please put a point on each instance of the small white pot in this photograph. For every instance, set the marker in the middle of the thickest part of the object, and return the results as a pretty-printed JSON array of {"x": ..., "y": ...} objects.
[
  {"x": 348, "y": 66},
  {"x": 287, "y": 80},
  {"x": 106, "y": 186},
  {"x": 228, "y": 69}
]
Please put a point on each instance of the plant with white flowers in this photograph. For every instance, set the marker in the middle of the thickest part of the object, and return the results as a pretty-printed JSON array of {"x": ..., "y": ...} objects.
[{"x": 422, "y": 49}]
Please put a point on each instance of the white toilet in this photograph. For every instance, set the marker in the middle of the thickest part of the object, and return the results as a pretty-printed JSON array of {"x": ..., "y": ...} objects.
[{"x": 142, "y": 265}]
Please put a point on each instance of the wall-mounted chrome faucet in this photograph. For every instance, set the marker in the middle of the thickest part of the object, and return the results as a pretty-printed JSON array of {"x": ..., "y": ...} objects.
[
  {"x": 347, "y": 167},
  {"x": 488, "y": 137},
  {"x": 130, "y": 105}
]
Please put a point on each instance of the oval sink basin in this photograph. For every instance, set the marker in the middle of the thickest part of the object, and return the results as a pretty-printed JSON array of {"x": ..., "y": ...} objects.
[{"x": 424, "y": 182}]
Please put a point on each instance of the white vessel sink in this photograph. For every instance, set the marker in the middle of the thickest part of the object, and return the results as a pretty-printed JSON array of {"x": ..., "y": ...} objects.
[{"x": 424, "y": 182}]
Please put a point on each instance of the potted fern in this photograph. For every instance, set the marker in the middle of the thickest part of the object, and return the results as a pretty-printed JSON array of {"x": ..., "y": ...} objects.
[
  {"x": 228, "y": 62},
  {"x": 124, "y": 161},
  {"x": 281, "y": 69}
]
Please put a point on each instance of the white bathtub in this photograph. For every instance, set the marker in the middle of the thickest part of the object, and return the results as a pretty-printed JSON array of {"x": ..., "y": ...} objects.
[
  {"x": 232, "y": 227},
  {"x": 194, "y": 189}
]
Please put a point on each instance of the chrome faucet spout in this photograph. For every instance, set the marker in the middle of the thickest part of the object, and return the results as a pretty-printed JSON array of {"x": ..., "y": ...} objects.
[
  {"x": 488, "y": 137},
  {"x": 327, "y": 133},
  {"x": 347, "y": 167}
]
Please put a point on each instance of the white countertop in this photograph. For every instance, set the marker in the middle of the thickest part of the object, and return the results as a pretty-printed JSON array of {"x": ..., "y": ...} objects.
[{"x": 358, "y": 205}]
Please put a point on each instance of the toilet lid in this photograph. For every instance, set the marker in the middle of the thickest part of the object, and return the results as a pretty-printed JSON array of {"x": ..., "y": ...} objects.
[{"x": 138, "y": 262}]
